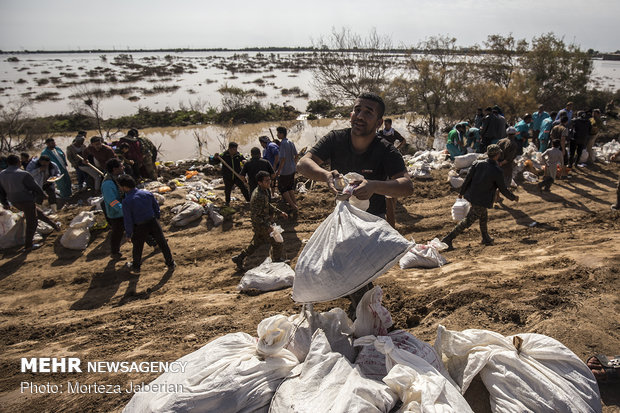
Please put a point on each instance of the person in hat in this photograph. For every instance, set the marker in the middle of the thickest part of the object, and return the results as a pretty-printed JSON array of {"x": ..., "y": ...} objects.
[
  {"x": 510, "y": 150},
  {"x": 234, "y": 160},
  {"x": 271, "y": 151},
  {"x": 483, "y": 179},
  {"x": 57, "y": 156}
]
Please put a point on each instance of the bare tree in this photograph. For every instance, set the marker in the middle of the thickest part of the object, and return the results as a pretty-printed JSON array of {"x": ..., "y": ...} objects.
[
  {"x": 500, "y": 60},
  {"x": 13, "y": 125},
  {"x": 88, "y": 102},
  {"x": 348, "y": 64}
]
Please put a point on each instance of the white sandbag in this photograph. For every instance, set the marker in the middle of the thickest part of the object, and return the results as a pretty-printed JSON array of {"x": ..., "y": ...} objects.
[
  {"x": 347, "y": 251},
  {"x": 44, "y": 228},
  {"x": 371, "y": 317},
  {"x": 530, "y": 177},
  {"x": 186, "y": 213},
  {"x": 7, "y": 220},
  {"x": 455, "y": 180},
  {"x": 373, "y": 364},
  {"x": 85, "y": 219},
  {"x": 465, "y": 161},
  {"x": 228, "y": 375},
  {"x": 349, "y": 180},
  {"x": 95, "y": 201},
  {"x": 424, "y": 256},
  {"x": 525, "y": 372},
  {"x": 159, "y": 198},
  {"x": 328, "y": 382},
  {"x": 276, "y": 233},
  {"x": 460, "y": 209},
  {"x": 15, "y": 236},
  {"x": 336, "y": 325},
  {"x": 419, "y": 385},
  {"x": 216, "y": 218},
  {"x": 268, "y": 276},
  {"x": 75, "y": 238}
]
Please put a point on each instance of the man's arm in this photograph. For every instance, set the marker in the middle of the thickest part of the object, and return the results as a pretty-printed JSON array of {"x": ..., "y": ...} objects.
[
  {"x": 309, "y": 166},
  {"x": 29, "y": 183},
  {"x": 398, "y": 137},
  {"x": 398, "y": 186},
  {"x": 127, "y": 219}
]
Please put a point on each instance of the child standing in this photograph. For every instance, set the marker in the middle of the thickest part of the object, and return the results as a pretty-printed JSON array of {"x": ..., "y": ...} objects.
[{"x": 553, "y": 158}]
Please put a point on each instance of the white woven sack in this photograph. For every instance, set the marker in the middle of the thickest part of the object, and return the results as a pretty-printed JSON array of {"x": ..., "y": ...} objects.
[
  {"x": 7, "y": 220},
  {"x": 347, "y": 251},
  {"x": 422, "y": 256},
  {"x": 233, "y": 373},
  {"x": 268, "y": 276},
  {"x": 15, "y": 235},
  {"x": 328, "y": 382},
  {"x": 523, "y": 373},
  {"x": 465, "y": 161},
  {"x": 460, "y": 209},
  {"x": 186, "y": 213},
  {"x": 84, "y": 219},
  {"x": 75, "y": 238}
]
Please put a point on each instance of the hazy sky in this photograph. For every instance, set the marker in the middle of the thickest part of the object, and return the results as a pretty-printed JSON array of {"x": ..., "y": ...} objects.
[{"x": 122, "y": 24}]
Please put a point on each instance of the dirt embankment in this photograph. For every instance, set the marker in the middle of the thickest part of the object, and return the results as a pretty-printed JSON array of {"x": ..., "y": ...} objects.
[{"x": 559, "y": 277}]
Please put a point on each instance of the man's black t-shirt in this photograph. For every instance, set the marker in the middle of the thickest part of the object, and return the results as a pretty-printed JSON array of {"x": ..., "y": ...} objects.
[
  {"x": 252, "y": 167},
  {"x": 380, "y": 161}
]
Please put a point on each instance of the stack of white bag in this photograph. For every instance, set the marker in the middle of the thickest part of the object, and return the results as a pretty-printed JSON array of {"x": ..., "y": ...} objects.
[
  {"x": 606, "y": 151},
  {"x": 268, "y": 276},
  {"x": 78, "y": 234},
  {"x": 234, "y": 373},
  {"x": 528, "y": 372},
  {"x": 465, "y": 161},
  {"x": 460, "y": 209},
  {"x": 424, "y": 255},
  {"x": 347, "y": 251},
  {"x": 186, "y": 213}
]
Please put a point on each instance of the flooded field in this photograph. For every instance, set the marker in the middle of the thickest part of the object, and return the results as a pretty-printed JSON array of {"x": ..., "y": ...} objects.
[{"x": 128, "y": 81}]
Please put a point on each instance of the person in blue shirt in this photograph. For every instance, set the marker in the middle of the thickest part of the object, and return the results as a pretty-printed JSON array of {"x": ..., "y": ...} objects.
[
  {"x": 141, "y": 214},
  {"x": 113, "y": 206},
  {"x": 545, "y": 130},
  {"x": 271, "y": 151},
  {"x": 537, "y": 118},
  {"x": 523, "y": 132},
  {"x": 286, "y": 169},
  {"x": 58, "y": 157}
]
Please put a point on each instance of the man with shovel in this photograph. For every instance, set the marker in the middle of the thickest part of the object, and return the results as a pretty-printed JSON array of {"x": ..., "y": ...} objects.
[{"x": 232, "y": 160}]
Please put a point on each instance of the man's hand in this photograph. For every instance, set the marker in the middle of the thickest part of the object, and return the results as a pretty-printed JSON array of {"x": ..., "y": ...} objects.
[
  {"x": 364, "y": 190},
  {"x": 331, "y": 180}
]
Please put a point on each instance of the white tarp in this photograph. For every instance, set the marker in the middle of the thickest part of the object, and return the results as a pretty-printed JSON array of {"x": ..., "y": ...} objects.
[
  {"x": 347, "y": 251},
  {"x": 328, "y": 382},
  {"x": 525, "y": 372},
  {"x": 233, "y": 373},
  {"x": 268, "y": 276}
]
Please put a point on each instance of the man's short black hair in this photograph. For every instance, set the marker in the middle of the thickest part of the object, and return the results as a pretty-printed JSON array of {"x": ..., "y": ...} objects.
[
  {"x": 261, "y": 175},
  {"x": 255, "y": 152},
  {"x": 233, "y": 145},
  {"x": 132, "y": 132},
  {"x": 13, "y": 160},
  {"x": 554, "y": 114},
  {"x": 564, "y": 119},
  {"x": 124, "y": 145},
  {"x": 81, "y": 133},
  {"x": 25, "y": 155},
  {"x": 95, "y": 139},
  {"x": 282, "y": 129},
  {"x": 375, "y": 98},
  {"x": 556, "y": 143},
  {"x": 127, "y": 181},
  {"x": 387, "y": 120},
  {"x": 111, "y": 164},
  {"x": 48, "y": 140}
]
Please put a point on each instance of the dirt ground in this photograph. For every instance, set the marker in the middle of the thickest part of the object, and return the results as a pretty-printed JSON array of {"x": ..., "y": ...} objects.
[{"x": 558, "y": 277}]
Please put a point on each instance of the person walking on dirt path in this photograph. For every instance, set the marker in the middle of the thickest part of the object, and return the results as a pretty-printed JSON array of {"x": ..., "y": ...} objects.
[
  {"x": 483, "y": 179},
  {"x": 113, "y": 206},
  {"x": 510, "y": 150},
  {"x": 271, "y": 151},
  {"x": 141, "y": 220},
  {"x": 356, "y": 149},
  {"x": 254, "y": 166},
  {"x": 553, "y": 159},
  {"x": 597, "y": 124},
  {"x": 261, "y": 212},
  {"x": 391, "y": 135},
  {"x": 616, "y": 206},
  {"x": 19, "y": 188},
  {"x": 57, "y": 156},
  {"x": 537, "y": 118},
  {"x": 233, "y": 159},
  {"x": 287, "y": 165}
]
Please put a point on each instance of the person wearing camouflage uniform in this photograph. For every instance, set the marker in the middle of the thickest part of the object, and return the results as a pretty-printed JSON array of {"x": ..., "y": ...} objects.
[
  {"x": 149, "y": 155},
  {"x": 261, "y": 211},
  {"x": 484, "y": 177}
]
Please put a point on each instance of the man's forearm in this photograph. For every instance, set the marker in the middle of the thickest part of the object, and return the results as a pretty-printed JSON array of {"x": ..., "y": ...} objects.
[
  {"x": 310, "y": 169},
  {"x": 395, "y": 188}
]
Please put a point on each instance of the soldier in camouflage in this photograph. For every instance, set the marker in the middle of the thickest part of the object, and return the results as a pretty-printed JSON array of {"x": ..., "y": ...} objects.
[{"x": 261, "y": 211}]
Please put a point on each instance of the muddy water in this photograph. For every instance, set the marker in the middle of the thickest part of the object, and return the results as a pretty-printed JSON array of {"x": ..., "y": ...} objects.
[{"x": 182, "y": 143}]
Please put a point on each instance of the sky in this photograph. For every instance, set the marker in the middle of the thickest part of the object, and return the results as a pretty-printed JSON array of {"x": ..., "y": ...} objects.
[{"x": 159, "y": 24}]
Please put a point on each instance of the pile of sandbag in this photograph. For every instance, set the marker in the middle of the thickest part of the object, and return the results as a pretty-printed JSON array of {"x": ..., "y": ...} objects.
[
  {"x": 186, "y": 213},
  {"x": 77, "y": 236},
  {"x": 347, "y": 251},
  {"x": 606, "y": 151},
  {"x": 424, "y": 255},
  {"x": 421, "y": 163}
]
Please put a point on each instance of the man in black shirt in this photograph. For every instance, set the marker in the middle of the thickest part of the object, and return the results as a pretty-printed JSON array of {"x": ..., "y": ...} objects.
[
  {"x": 391, "y": 135},
  {"x": 233, "y": 159},
  {"x": 357, "y": 149},
  {"x": 253, "y": 166}
]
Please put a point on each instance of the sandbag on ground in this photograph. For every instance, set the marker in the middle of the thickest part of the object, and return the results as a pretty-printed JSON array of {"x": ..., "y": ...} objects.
[
  {"x": 268, "y": 276},
  {"x": 186, "y": 213}
]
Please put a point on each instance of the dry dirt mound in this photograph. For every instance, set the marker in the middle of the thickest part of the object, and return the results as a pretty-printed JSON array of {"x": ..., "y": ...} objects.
[{"x": 559, "y": 277}]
